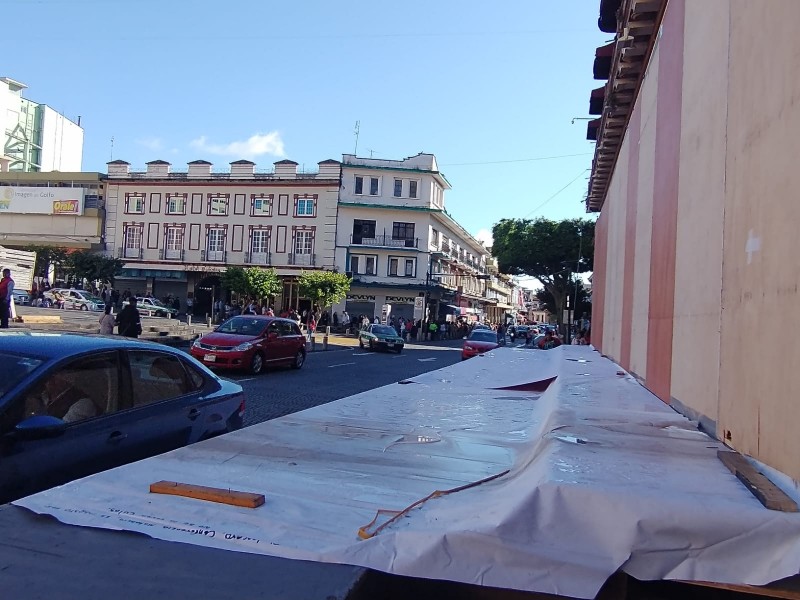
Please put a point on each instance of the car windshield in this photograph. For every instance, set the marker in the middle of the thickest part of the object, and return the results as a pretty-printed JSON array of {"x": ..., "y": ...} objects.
[
  {"x": 483, "y": 335},
  {"x": 15, "y": 369},
  {"x": 243, "y": 326},
  {"x": 94, "y": 299},
  {"x": 383, "y": 330},
  {"x": 156, "y": 302}
]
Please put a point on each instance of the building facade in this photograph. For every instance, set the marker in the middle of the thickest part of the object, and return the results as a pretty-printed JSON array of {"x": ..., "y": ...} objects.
[
  {"x": 695, "y": 285},
  {"x": 177, "y": 232},
  {"x": 36, "y": 138},
  {"x": 52, "y": 209},
  {"x": 400, "y": 245}
]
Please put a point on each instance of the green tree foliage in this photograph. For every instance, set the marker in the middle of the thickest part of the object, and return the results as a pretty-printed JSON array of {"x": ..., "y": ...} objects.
[
  {"x": 584, "y": 304},
  {"x": 545, "y": 249},
  {"x": 84, "y": 264},
  {"x": 46, "y": 257},
  {"x": 324, "y": 287},
  {"x": 253, "y": 282}
]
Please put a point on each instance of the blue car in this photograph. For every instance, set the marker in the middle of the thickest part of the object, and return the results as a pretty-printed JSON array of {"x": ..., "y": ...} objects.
[{"x": 72, "y": 405}]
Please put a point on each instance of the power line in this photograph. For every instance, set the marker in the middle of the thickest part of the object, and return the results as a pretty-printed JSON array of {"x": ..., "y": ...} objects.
[
  {"x": 578, "y": 176},
  {"x": 515, "y": 160}
]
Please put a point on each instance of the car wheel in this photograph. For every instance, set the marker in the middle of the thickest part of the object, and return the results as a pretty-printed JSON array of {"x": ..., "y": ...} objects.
[
  {"x": 372, "y": 346},
  {"x": 399, "y": 350},
  {"x": 84, "y": 307},
  {"x": 299, "y": 359},
  {"x": 257, "y": 364},
  {"x": 360, "y": 343}
]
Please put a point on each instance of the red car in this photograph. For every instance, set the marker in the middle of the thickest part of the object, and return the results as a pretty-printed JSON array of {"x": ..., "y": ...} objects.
[
  {"x": 250, "y": 343},
  {"x": 478, "y": 342}
]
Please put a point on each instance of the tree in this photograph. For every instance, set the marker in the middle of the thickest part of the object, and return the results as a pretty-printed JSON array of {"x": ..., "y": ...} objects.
[
  {"x": 47, "y": 257},
  {"x": 324, "y": 288},
  {"x": 551, "y": 251},
  {"x": 84, "y": 264},
  {"x": 583, "y": 304},
  {"x": 253, "y": 282}
]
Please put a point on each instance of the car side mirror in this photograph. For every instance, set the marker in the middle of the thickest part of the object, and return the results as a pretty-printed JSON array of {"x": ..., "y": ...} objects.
[{"x": 40, "y": 427}]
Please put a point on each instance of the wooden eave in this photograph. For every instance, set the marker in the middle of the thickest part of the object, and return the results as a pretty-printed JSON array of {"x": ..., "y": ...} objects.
[{"x": 637, "y": 23}]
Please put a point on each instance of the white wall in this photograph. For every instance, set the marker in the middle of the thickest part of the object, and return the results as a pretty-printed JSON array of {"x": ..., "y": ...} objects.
[{"x": 62, "y": 143}]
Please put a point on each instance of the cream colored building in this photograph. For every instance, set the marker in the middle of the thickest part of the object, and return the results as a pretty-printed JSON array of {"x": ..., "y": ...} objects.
[
  {"x": 177, "y": 232},
  {"x": 400, "y": 245},
  {"x": 51, "y": 209}
]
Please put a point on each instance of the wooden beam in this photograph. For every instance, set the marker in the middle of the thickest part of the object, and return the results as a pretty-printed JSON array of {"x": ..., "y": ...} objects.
[
  {"x": 769, "y": 494},
  {"x": 200, "y": 492}
]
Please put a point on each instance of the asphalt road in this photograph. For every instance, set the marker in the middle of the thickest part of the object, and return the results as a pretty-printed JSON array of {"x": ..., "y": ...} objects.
[{"x": 333, "y": 374}]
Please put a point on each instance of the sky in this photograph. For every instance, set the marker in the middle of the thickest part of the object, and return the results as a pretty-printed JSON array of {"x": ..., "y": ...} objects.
[{"x": 491, "y": 91}]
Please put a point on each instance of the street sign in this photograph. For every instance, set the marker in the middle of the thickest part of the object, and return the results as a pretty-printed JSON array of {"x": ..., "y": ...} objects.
[{"x": 419, "y": 308}]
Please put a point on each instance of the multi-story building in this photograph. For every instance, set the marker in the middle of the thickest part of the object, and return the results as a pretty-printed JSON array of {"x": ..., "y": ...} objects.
[
  {"x": 499, "y": 293},
  {"x": 178, "y": 231},
  {"x": 35, "y": 136},
  {"x": 52, "y": 209},
  {"x": 399, "y": 243}
]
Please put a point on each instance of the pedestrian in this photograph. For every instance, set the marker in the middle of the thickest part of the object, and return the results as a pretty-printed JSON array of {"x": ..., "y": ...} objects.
[
  {"x": 311, "y": 326},
  {"x": 6, "y": 295},
  {"x": 129, "y": 320},
  {"x": 176, "y": 304},
  {"x": 107, "y": 321},
  {"x": 549, "y": 341},
  {"x": 189, "y": 304}
]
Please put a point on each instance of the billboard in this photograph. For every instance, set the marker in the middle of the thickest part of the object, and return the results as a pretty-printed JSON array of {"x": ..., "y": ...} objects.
[{"x": 41, "y": 200}]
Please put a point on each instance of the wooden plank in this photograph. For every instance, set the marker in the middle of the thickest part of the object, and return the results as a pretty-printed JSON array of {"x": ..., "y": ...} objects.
[
  {"x": 200, "y": 492},
  {"x": 770, "y": 495},
  {"x": 770, "y": 591}
]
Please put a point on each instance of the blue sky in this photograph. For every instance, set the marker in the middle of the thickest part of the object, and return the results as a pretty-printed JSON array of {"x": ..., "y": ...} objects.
[{"x": 486, "y": 89}]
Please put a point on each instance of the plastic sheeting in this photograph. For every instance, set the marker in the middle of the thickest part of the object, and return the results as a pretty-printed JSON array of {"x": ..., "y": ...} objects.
[{"x": 603, "y": 476}]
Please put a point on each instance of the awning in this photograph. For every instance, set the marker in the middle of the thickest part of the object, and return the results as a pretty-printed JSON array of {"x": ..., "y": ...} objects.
[
  {"x": 602, "y": 61},
  {"x": 596, "y": 100}
]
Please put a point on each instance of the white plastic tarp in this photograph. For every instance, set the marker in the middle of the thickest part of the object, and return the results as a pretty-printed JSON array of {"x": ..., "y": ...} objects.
[{"x": 603, "y": 476}]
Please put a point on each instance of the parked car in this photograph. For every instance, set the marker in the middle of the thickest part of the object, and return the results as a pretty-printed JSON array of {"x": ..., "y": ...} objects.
[
  {"x": 72, "y": 405},
  {"x": 380, "y": 337},
  {"x": 21, "y": 297},
  {"x": 478, "y": 342},
  {"x": 153, "y": 307},
  {"x": 74, "y": 299},
  {"x": 251, "y": 342}
]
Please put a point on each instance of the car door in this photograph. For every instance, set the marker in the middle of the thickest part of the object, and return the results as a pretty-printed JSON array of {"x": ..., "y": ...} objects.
[
  {"x": 272, "y": 343},
  {"x": 166, "y": 406},
  {"x": 86, "y": 445},
  {"x": 291, "y": 340}
]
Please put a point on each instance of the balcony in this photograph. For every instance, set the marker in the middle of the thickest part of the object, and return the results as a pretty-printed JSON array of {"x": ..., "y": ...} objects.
[
  {"x": 258, "y": 258},
  {"x": 130, "y": 253},
  {"x": 213, "y": 255},
  {"x": 385, "y": 241},
  {"x": 303, "y": 260},
  {"x": 171, "y": 254}
]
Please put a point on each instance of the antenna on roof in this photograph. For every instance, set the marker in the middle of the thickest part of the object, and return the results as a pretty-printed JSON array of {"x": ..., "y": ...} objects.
[
  {"x": 357, "y": 129},
  {"x": 371, "y": 152},
  {"x": 112, "y": 147}
]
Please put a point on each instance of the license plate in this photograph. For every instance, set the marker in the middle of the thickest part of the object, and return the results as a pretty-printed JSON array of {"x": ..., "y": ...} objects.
[
  {"x": 390, "y": 344},
  {"x": 210, "y": 358}
]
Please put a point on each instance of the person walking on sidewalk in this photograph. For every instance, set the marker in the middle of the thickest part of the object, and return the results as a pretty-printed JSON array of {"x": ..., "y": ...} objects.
[
  {"x": 129, "y": 320},
  {"x": 107, "y": 321},
  {"x": 6, "y": 294}
]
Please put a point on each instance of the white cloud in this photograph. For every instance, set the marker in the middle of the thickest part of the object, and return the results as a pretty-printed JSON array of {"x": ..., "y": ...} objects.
[
  {"x": 484, "y": 236},
  {"x": 255, "y": 145},
  {"x": 151, "y": 143}
]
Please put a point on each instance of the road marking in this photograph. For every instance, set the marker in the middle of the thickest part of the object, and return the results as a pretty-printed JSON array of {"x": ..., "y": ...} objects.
[
  {"x": 363, "y": 354},
  {"x": 248, "y": 379},
  {"x": 399, "y": 356},
  {"x": 341, "y": 365},
  {"x": 426, "y": 359}
]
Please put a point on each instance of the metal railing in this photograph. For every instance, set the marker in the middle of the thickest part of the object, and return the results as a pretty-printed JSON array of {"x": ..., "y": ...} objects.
[
  {"x": 135, "y": 253},
  {"x": 385, "y": 241},
  {"x": 258, "y": 258},
  {"x": 308, "y": 260},
  {"x": 213, "y": 255}
]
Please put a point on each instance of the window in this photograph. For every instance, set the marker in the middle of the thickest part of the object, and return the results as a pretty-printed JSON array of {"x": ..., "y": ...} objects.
[
  {"x": 304, "y": 207},
  {"x": 85, "y": 388},
  {"x": 176, "y": 205},
  {"x": 215, "y": 247},
  {"x": 262, "y": 206},
  {"x": 398, "y": 188},
  {"x": 373, "y": 186},
  {"x": 260, "y": 241},
  {"x": 393, "y": 266},
  {"x": 303, "y": 242},
  {"x": 412, "y": 189},
  {"x": 409, "y": 267},
  {"x": 370, "y": 268},
  {"x": 218, "y": 205},
  {"x": 403, "y": 231},
  {"x": 156, "y": 377},
  {"x": 174, "y": 247},
  {"x": 354, "y": 264},
  {"x": 133, "y": 241},
  {"x": 363, "y": 230},
  {"x": 134, "y": 204},
  {"x": 359, "y": 185}
]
